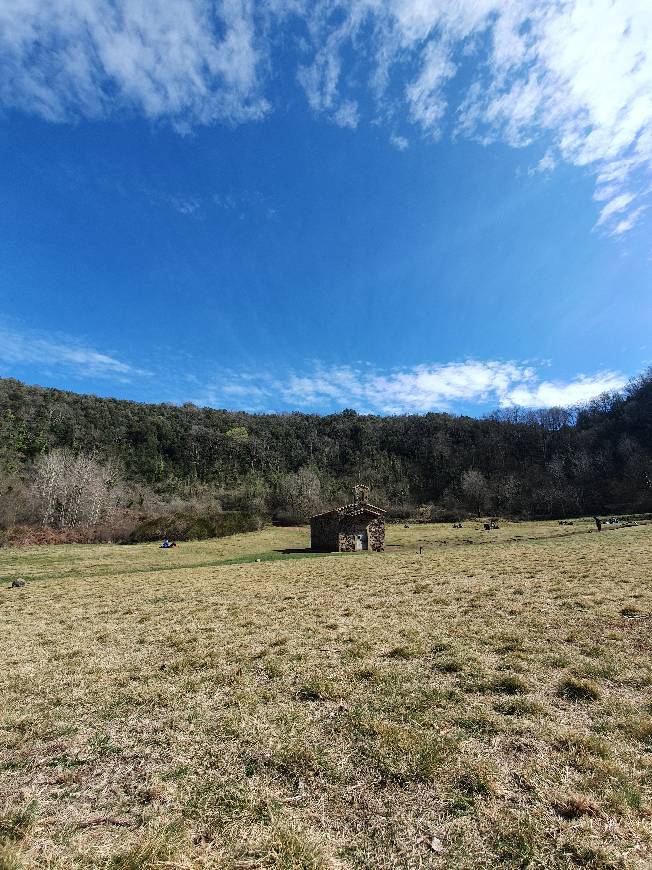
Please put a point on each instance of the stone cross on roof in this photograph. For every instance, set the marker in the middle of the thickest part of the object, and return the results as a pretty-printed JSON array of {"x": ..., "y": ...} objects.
[{"x": 361, "y": 492}]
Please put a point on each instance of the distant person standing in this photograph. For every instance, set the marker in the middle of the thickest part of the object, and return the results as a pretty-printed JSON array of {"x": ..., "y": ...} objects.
[{"x": 598, "y": 523}]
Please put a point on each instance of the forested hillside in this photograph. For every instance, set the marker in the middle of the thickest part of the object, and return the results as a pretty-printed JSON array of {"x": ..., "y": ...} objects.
[{"x": 547, "y": 463}]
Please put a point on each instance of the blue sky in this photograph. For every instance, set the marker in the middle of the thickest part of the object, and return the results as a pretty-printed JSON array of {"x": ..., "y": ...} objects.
[{"x": 394, "y": 206}]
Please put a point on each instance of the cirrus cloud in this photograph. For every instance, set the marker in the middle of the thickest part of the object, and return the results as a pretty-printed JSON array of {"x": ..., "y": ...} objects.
[
  {"x": 469, "y": 384},
  {"x": 57, "y": 352},
  {"x": 417, "y": 390},
  {"x": 575, "y": 75},
  {"x": 191, "y": 61}
]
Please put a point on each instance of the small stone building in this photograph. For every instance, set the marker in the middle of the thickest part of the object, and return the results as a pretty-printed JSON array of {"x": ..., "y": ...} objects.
[{"x": 356, "y": 526}]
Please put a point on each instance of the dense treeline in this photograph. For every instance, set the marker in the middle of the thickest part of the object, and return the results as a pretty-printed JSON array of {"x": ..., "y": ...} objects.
[{"x": 547, "y": 463}]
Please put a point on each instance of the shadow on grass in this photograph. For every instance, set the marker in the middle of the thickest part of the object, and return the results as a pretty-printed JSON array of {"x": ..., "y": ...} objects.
[
  {"x": 294, "y": 551},
  {"x": 244, "y": 559},
  {"x": 274, "y": 556}
]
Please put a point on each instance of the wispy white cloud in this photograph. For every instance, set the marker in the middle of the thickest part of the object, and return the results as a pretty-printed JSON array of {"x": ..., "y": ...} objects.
[
  {"x": 576, "y": 75},
  {"x": 615, "y": 205},
  {"x": 20, "y": 348},
  {"x": 320, "y": 387},
  {"x": 624, "y": 225},
  {"x": 580, "y": 72},
  {"x": 425, "y": 94},
  {"x": 347, "y": 114},
  {"x": 419, "y": 389},
  {"x": 548, "y": 394},
  {"x": 400, "y": 142},
  {"x": 545, "y": 165},
  {"x": 186, "y": 205},
  {"x": 192, "y": 61}
]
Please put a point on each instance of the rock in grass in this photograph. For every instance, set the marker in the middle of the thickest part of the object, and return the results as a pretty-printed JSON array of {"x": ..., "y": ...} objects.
[
  {"x": 17, "y": 583},
  {"x": 436, "y": 845}
]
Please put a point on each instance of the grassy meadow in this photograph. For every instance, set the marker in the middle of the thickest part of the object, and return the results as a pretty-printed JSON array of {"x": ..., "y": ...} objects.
[{"x": 484, "y": 703}]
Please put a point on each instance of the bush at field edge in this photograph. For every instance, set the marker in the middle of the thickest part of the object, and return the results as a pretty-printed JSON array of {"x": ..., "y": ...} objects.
[{"x": 191, "y": 526}]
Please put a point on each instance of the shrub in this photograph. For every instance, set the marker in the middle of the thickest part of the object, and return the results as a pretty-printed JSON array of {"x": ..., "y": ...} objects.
[
  {"x": 118, "y": 528},
  {"x": 195, "y": 526}
]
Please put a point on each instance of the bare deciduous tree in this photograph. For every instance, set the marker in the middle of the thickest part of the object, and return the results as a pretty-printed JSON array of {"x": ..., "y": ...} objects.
[
  {"x": 74, "y": 489},
  {"x": 475, "y": 490},
  {"x": 300, "y": 495}
]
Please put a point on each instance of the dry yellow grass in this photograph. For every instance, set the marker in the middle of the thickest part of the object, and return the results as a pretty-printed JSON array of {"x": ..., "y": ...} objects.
[{"x": 485, "y": 704}]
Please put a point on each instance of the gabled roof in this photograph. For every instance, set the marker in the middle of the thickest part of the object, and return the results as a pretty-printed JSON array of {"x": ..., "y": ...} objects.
[{"x": 354, "y": 509}]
